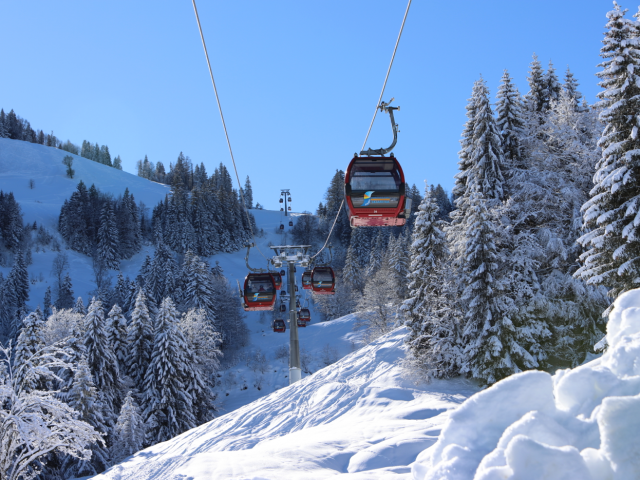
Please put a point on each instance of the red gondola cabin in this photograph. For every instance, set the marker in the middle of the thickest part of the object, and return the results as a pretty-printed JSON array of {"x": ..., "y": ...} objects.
[
  {"x": 323, "y": 281},
  {"x": 301, "y": 323},
  {"x": 259, "y": 292},
  {"x": 375, "y": 192},
  {"x": 304, "y": 314},
  {"x": 279, "y": 326}
]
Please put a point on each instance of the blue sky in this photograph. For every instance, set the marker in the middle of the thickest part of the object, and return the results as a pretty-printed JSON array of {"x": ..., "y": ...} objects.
[{"x": 298, "y": 80}]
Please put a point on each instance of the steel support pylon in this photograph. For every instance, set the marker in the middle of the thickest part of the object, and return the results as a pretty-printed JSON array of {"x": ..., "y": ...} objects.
[{"x": 295, "y": 373}]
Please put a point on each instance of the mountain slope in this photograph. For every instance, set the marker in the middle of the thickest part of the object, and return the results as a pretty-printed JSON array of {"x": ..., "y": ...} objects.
[
  {"x": 357, "y": 418},
  {"x": 22, "y": 161}
]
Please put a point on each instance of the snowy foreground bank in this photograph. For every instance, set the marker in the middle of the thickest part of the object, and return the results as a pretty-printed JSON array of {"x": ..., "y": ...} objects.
[{"x": 359, "y": 419}]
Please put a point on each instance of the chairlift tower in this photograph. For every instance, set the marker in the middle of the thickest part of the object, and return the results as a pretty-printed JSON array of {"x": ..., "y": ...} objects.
[{"x": 292, "y": 255}]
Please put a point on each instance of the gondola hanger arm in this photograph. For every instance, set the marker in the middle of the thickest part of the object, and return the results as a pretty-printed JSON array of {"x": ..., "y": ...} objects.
[{"x": 385, "y": 107}]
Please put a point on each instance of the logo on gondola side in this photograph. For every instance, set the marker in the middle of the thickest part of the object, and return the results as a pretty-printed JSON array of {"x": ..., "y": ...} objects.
[
  {"x": 368, "y": 199},
  {"x": 255, "y": 297}
]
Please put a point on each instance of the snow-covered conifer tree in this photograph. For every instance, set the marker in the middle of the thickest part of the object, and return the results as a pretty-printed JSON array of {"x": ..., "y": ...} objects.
[
  {"x": 552, "y": 87},
  {"x": 166, "y": 397},
  {"x": 352, "y": 271},
  {"x": 536, "y": 98},
  {"x": 79, "y": 307},
  {"x": 162, "y": 277},
  {"x": 85, "y": 399},
  {"x": 198, "y": 287},
  {"x": 130, "y": 430},
  {"x": 46, "y": 309},
  {"x": 430, "y": 315},
  {"x": 17, "y": 293},
  {"x": 30, "y": 341},
  {"x": 100, "y": 356},
  {"x": 202, "y": 355},
  {"x": 375, "y": 257},
  {"x": 399, "y": 264},
  {"x": 465, "y": 153},
  {"x": 612, "y": 258},
  {"x": 571, "y": 87},
  {"x": 486, "y": 159},
  {"x": 140, "y": 340},
  {"x": 65, "y": 295},
  {"x": 117, "y": 337},
  {"x": 248, "y": 193},
  {"x": 108, "y": 238},
  {"x": 510, "y": 123},
  {"x": 486, "y": 319}
]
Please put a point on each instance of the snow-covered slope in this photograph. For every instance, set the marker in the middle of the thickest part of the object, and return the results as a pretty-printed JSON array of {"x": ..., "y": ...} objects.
[
  {"x": 24, "y": 161},
  {"x": 360, "y": 419},
  {"x": 357, "y": 418}
]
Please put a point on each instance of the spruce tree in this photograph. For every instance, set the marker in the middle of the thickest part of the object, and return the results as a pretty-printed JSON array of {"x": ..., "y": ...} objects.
[
  {"x": 17, "y": 294},
  {"x": 465, "y": 153},
  {"x": 30, "y": 341},
  {"x": 85, "y": 399},
  {"x": 198, "y": 288},
  {"x": 432, "y": 339},
  {"x": 352, "y": 272},
  {"x": 100, "y": 356},
  {"x": 65, "y": 295},
  {"x": 248, "y": 193},
  {"x": 536, "y": 98},
  {"x": 510, "y": 123},
  {"x": 485, "y": 170},
  {"x": 166, "y": 398},
  {"x": 375, "y": 257},
  {"x": 79, "y": 307},
  {"x": 108, "y": 238},
  {"x": 130, "y": 430},
  {"x": 46, "y": 311},
  {"x": 140, "y": 340},
  {"x": 487, "y": 324},
  {"x": 117, "y": 337},
  {"x": 552, "y": 87},
  {"x": 571, "y": 87},
  {"x": 612, "y": 244}
]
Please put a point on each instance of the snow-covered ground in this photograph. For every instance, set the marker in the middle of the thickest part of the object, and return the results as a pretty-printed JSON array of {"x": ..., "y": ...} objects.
[
  {"x": 360, "y": 419},
  {"x": 357, "y": 418}
]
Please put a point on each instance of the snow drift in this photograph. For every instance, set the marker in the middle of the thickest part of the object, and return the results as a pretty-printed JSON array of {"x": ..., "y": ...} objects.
[{"x": 581, "y": 423}]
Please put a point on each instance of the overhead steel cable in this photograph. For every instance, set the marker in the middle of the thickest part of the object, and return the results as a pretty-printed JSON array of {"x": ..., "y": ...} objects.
[
  {"x": 224, "y": 125},
  {"x": 384, "y": 85}
]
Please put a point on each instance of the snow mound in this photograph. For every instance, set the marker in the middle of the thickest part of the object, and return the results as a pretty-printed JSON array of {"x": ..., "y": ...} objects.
[
  {"x": 357, "y": 418},
  {"x": 580, "y": 423}
]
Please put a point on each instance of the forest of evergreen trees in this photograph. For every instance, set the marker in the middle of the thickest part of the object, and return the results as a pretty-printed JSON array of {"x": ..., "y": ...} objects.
[
  {"x": 99, "y": 226},
  {"x": 16, "y": 128},
  {"x": 204, "y": 213},
  {"x": 544, "y": 234}
]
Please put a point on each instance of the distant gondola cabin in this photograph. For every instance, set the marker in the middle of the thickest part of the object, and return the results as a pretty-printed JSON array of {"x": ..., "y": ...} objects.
[{"x": 259, "y": 292}]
